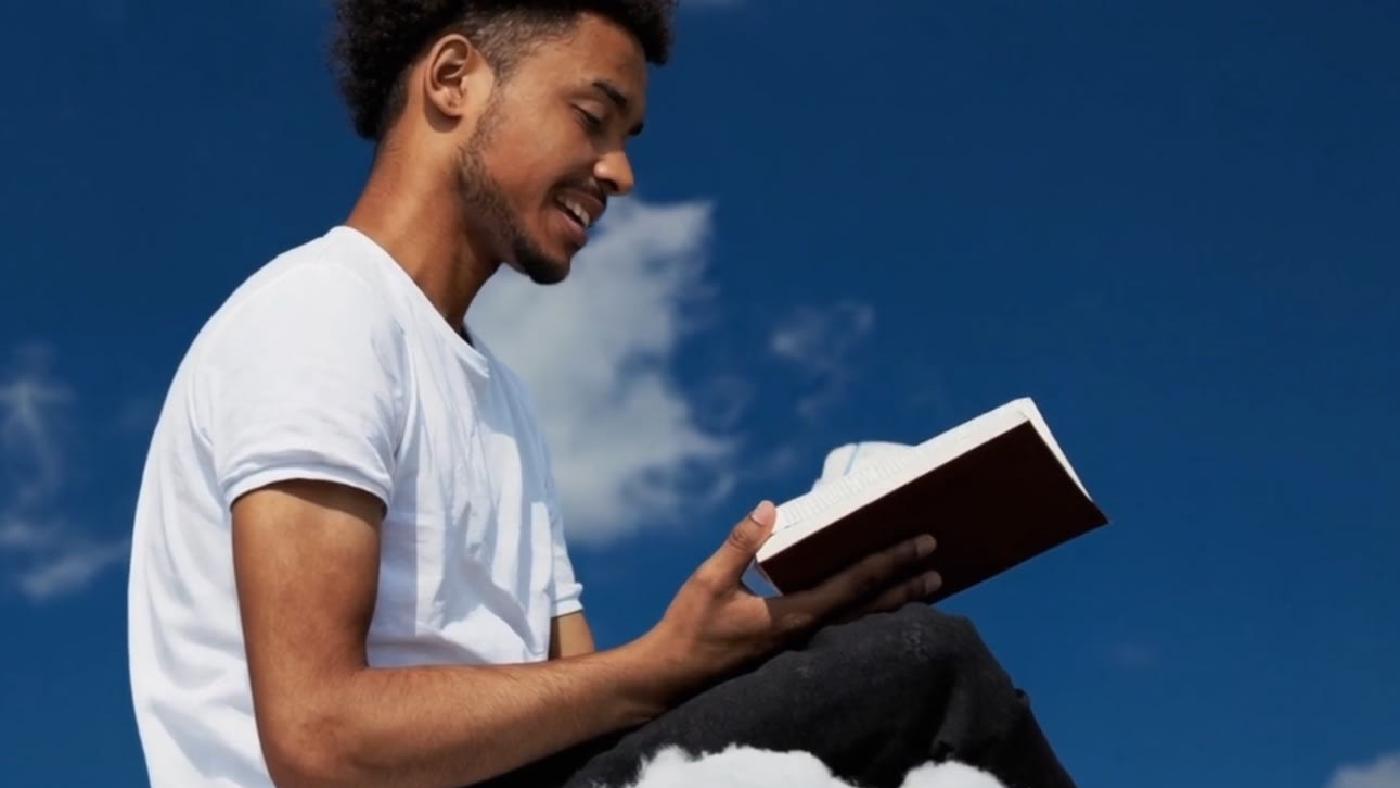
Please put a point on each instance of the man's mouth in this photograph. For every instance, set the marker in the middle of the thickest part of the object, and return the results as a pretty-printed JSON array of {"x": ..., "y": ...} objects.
[
  {"x": 581, "y": 210},
  {"x": 576, "y": 212}
]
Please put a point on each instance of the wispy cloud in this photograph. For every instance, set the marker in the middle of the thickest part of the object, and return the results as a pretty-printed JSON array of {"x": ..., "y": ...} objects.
[
  {"x": 821, "y": 343},
  {"x": 138, "y": 414},
  {"x": 46, "y": 558},
  {"x": 71, "y": 568},
  {"x": 597, "y": 353},
  {"x": 1383, "y": 772},
  {"x": 1133, "y": 655},
  {"x": 23, "y": 536},
  {"x": 29, "y": 401}
]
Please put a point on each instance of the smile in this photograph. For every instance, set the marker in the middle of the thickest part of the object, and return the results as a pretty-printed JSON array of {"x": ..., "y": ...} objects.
[{"x": 576, "y": 212}]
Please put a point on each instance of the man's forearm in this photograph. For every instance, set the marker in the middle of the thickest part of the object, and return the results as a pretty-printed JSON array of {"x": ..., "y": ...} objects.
[
  {"x": 456, "y": 725},
  {"x": 325, "y": 719}
]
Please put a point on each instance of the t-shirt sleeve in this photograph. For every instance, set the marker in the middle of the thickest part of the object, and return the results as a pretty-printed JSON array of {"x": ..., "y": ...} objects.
[
  {"x": 305, "y": 381},
  {"x": 568, "y": 592}
]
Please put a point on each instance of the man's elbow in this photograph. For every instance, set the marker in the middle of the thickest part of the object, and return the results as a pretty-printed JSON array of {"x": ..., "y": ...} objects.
[{"x": 309, "y": 749}]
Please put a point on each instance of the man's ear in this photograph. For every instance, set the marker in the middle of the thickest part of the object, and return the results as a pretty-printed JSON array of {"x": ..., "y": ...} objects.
[{"x": 456, "y": 80}]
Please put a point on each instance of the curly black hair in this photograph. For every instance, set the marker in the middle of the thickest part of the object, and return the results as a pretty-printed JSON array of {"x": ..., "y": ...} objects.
[{"x": 376, "y": 40}]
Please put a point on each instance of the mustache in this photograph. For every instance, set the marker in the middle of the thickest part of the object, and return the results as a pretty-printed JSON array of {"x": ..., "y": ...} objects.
[{"x": 589, "y": 186}]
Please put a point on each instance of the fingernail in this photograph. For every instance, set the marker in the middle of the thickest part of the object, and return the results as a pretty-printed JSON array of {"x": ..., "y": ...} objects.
[
  {"x": 762, "y": 513},
  {"x": 924, "y": 545},
  {"x": 932, "y": 582}
]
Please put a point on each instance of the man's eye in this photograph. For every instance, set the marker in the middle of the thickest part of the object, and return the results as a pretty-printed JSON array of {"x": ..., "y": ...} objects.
[{"x": 590, "y": 121}]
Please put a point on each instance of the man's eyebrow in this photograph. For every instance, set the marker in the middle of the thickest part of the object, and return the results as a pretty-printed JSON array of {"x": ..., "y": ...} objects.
[{"x": 617, "y": 97}]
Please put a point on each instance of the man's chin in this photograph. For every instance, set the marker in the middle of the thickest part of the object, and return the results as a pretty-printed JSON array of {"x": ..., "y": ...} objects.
[{"x": 542, "y": 269}]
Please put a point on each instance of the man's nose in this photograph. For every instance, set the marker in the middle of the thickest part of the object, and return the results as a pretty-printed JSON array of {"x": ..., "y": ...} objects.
[{"x": 614, "y": 170}]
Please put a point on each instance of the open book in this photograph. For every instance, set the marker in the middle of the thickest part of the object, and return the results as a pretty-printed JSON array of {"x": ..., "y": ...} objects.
[{"x": 994, "y": 492}]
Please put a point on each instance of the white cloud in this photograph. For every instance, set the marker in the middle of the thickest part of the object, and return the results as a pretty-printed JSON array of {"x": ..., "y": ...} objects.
[
  {"x": 596, "y": 353},
  {"x": 745, "y": 767},
  {"x": 1384, "y": 772},
  {"x": 27, "y": 432},
  {"x": 18, "y": 535},
  {"x": 46, "y": 558},
  {"x": 71, "y": 568},
  {"x": 821, "y": 342}
]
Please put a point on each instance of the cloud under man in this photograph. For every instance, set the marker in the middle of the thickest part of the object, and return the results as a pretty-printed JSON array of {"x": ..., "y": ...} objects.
[
  {"x": 597, "y": 353},
  {"x": 745, "y": 767}
]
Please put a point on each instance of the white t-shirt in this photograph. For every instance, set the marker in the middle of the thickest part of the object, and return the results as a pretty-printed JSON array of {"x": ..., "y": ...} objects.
[{"x": 330, "y": 363}]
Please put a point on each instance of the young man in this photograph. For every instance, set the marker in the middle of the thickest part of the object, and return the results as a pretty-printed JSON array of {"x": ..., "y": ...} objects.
[{"x": 348, "y": 565}]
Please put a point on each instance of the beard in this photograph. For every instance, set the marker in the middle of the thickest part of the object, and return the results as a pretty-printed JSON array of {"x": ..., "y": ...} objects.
[{"x": 485, "y": 205}]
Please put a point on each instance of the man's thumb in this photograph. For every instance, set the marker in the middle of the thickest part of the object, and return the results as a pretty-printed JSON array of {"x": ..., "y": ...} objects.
[{"x": 742, "y": 545}]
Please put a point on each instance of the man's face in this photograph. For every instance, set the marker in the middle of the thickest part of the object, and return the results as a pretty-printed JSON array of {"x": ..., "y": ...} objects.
[{"x": 550, "y": 149}]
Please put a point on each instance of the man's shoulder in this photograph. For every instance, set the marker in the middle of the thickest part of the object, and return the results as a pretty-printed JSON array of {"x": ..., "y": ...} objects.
[
  {"x": 324, "y": 282},
  {"x": 311, "y": 316}
]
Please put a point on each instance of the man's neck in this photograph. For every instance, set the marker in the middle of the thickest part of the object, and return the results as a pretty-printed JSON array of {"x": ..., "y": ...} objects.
[{"x": 418, "y": 220}]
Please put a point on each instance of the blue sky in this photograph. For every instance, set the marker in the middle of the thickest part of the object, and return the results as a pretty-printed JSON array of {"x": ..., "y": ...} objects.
[{"x": 1174, "y": 226}]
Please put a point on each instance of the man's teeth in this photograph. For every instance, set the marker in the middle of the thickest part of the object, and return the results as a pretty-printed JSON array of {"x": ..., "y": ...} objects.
[{"x": 578, "y": 212}]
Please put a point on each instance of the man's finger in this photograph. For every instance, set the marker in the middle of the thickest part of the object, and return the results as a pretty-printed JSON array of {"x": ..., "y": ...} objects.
[
  {"x": 865, "y": 580},
  {"x": 918, "y": 589},
  {"x": 727, "y": 565}
]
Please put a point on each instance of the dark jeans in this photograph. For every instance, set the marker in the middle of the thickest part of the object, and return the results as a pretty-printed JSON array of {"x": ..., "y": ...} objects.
[{"x": 872, "y": 699}]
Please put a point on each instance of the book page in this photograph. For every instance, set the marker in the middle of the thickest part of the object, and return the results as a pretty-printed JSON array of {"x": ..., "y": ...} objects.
[{"x": 887, "y": 469}]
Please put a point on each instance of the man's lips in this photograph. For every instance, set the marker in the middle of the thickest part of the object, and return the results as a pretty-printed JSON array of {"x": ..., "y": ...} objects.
[
  {"x": 584, "y": 207},
  {"x": 574, "y": 232}
]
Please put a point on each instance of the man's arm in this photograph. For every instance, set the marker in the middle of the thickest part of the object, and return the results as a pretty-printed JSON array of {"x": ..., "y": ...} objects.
[
  {"x": 570, "y": 636},
  {"x": 306, "y": 560}
]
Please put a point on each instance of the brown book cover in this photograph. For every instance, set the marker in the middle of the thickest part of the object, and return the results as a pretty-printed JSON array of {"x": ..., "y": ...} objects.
[{"x": 996, "y": 492}]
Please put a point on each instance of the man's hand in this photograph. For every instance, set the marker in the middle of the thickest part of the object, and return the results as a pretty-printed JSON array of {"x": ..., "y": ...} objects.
[{"x": 715, "y": 625}]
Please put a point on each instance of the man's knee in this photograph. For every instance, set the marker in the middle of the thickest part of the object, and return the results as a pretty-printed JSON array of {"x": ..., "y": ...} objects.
[
  {"x": 915, "y": 644},
  {"x": 925, "y": 635}
]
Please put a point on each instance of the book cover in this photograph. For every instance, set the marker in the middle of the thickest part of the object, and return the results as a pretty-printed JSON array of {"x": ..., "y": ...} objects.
[{"x": 994, "y": 492}]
